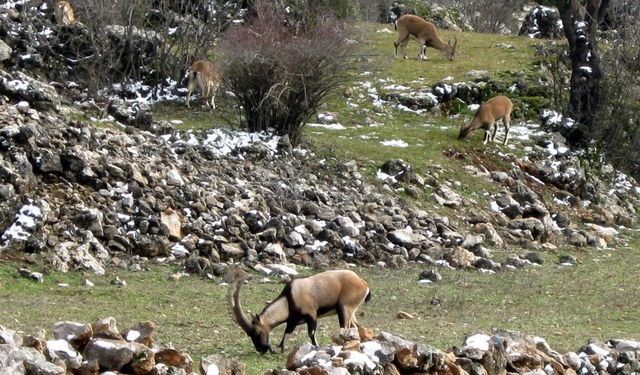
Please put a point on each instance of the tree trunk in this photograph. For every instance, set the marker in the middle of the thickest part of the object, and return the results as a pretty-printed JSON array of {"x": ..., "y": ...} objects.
[{"x": 580, "y": 25}]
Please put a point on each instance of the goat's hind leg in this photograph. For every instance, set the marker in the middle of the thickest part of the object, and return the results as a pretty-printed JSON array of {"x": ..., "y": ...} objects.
[
  {"x": 507, "y": 124},
  {"x": 495, "y": 130}
]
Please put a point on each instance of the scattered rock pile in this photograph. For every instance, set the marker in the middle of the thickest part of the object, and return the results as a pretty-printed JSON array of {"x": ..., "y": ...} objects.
[
  {"x": 82, "y": 196},
  {"x": 501, "y": 353},
  {"x": 91, "y": 349}
]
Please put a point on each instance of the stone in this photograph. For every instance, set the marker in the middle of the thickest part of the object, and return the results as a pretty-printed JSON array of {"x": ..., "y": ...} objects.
[
  {"x": 445, "y": 196},
  {"x": 113, "y": 355},
  {"x": 491, "y": 236},
  {"x": 172, "y": 221},
  {"x": 180, "y": 359},
  {"x": 294, "y": 239},
  {"x": 470, "y": 241},
  {"x": 404, "y": 315},
  {"x": 61, "y": 350},
  {"x": 430, "y": 275},
  {"x": 460, "y": 258},
  {"x": 106, "y": 328},
  {"x": 344, "y": 335},
  {"x": 295, "y": 357},
  {"x": 174, "y": 178},
  {"x": 10, "y": 337},
  {"x": 406, "y": 238},
  {"x": 365, "y": 334},
  {"x": 5, "y": 51},
  {"x": 77, "y": 334},
  {"x": 36, "y": 364},
  {"x": 141, "y": 332}
]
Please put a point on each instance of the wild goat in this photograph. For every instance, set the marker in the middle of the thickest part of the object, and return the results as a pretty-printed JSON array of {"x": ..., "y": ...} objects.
[
  {"x": 63, "y": 13},
  {"x": 425, "y": 32},
  {"x": 204, "y": 75},
  {"x": 301, "y": 301},
  {"x": 486, "y": 117}
]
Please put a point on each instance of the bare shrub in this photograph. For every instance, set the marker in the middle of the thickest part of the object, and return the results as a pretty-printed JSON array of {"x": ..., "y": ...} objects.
[
  {"x": 491, "y": 16},
  {"x": 617, "y": 128},
  {"x": 278, "y": 78},
  {"x": 554, "y": 60}
]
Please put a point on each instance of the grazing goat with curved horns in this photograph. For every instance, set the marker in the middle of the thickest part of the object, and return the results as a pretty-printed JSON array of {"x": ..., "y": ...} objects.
[
  {"x": 425, "y": 32},
  {"x": 301, "y": 301},
  {"x": 488, "y": 114}
]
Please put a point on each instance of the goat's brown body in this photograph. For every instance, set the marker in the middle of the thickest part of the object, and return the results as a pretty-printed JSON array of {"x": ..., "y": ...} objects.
[
  {"x": 305, "y": 300},
  {"x": 425, "y": 32},
  {"x": 487, "y": 115},
  {"x": 63, "y": 13},
  {"x": 204, "y": 76}
]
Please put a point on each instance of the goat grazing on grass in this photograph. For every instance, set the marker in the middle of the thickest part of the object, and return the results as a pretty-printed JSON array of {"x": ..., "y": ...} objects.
[
  {"x": 425, "y": 32},
  {"x": 302, "y": 300},
  {"x": 486, "y": 117}
]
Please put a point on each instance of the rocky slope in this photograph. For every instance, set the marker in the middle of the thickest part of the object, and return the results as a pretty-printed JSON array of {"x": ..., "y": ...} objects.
[{"x": 77, "y": 195}]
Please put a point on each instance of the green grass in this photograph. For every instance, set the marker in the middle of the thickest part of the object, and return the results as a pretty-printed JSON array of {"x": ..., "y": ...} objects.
[
  {"x": 565, "y": 305},
  {"x": 598, "y": 298}
]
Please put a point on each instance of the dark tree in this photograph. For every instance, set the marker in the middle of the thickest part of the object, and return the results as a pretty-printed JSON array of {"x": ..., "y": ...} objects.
[{"x": 581, "y": 20}]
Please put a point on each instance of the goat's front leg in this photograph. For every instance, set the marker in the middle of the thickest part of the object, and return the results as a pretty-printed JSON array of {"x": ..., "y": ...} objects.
[
  {"x": 312, "y": 324},
  {"x": 291, "y": 326}
]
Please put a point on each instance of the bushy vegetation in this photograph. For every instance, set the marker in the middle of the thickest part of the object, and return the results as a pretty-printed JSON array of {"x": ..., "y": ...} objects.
[
  {"x": 617, "y": 128},
  {"x": 280, "y": 75}
]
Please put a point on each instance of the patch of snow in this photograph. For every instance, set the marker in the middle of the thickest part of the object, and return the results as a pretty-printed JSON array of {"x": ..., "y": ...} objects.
[
  {"x": 479, "y": 341},
  {"x": 223, "y": 142},
  {"x": 133, "y": 335},
  {"x": 23, "y": 224},
  {"x": 586, "y": 69},
  {"x": 336, "y": 126},
  {"x": 385, "y": 177},
  {"x": 395, "y": 143}
]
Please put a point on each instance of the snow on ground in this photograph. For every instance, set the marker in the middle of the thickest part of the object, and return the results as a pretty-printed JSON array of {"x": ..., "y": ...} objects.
[
  {"x": 336, "y": 126},
  {"x": 24, "y": 224},
  {"x": 395, "y": 143}
]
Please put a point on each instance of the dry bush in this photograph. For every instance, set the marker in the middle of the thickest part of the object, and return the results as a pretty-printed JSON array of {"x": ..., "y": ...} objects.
[
  {"x": 279, "y": 77},
  {"x": 617, "y": 129},
  {"x": 491, "y": 16}
]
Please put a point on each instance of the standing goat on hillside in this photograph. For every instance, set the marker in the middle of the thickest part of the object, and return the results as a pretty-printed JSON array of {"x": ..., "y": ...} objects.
[
  {"x": 425, "y": 32},
  {"x": 204, "y": 75},
  {"x": 63, "y": 13},
  {"x": 486, "y": 117}
]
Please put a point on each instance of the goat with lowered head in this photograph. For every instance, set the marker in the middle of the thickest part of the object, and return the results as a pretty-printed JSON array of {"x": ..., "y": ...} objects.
[
  {"x": 425, "y": 32},
  {"x": 488, "y": 114},
  {"x": 302, "y": 300}
]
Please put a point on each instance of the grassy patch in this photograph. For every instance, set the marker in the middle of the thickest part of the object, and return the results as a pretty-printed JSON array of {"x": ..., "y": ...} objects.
[
  {"x": 598, "y": 298},
  {"x": 565, "y": 305}
]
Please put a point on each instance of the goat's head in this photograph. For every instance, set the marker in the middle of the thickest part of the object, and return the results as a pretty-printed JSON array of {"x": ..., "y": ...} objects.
[{"x": 258, "y": 332}]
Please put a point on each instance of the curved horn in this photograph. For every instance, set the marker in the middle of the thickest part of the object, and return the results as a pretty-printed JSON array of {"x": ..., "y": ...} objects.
[{"x": 235, "y": 308}]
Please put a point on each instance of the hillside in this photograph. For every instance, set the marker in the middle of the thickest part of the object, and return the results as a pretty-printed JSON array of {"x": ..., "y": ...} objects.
[{"x": 381, "y": 184}]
